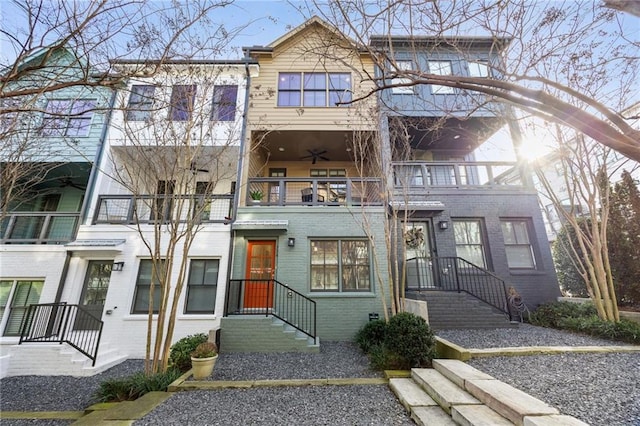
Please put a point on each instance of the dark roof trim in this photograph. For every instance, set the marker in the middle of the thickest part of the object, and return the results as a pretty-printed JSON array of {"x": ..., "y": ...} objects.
[
  {"x": 384, "y": 40},
  {"x": 182, "y": 62}
]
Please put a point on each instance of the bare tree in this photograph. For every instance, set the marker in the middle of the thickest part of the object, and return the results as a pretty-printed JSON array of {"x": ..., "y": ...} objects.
[{"x": 549, "y": 48}]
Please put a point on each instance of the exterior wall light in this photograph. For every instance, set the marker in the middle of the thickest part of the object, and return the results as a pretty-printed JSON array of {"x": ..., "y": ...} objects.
[
  {"x": 117, "y": 266},
  {"x": 291, "y": 242},
  {"x": 443, "y": 224}
]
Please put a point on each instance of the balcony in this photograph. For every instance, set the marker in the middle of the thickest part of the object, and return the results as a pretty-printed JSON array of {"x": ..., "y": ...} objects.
[
  {"x": 422, "y": 177},
  {"x": 132, "y": 209},
  {"x": 39, "y": 227},
  {"x": 314, "y": 192}
]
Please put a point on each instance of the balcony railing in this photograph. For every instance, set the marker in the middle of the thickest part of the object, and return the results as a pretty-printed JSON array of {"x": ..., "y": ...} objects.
[
  {"x": 130, "y": 209},
  {"x": 39, "y": 227},
  {"x": 315, "y": 191},
  {"x": 419, "y": 176}
]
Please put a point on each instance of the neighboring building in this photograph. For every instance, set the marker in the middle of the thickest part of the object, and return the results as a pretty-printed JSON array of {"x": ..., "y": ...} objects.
[
  {"x": 51, "y": 145},
  {"x": 463, "y": 227}
]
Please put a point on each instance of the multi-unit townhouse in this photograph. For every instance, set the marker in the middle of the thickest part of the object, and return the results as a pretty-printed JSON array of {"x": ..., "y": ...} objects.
[
  {"x": 50, "y": 144},
  {"x": 166, "y": 171},
  {"x": 306, "y": 206}
]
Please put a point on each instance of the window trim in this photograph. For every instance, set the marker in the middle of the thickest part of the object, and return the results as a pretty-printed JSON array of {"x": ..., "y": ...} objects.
[
  {"x": 223, "y": 110},
  {"x": 437, "y": 89},
  {"x": 482, "y": 244},
  {"x": 10, "y": 308},
  {"x": 340, "y": 266},
  {"x": 528, "y": 228},
  {"x": 143, "y": 105},
  {"x": 329, "y": 90},
  {"x": 403, "y": 65},
  {"x": 67, "y": 116},
  {"x": 189, "y": 285},
  {"x": 137, "y": 287}
]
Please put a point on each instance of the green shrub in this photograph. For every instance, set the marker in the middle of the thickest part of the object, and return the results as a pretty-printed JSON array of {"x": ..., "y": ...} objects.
[
  {"x": 405, "y": 341},
  {"x": 180, "y": 353},
  {"x": 134, "y": 386},
  {"x": 371, "y": 335},
  {"x": 410, "y": 337},
  {"x": 551, "y": 314}
]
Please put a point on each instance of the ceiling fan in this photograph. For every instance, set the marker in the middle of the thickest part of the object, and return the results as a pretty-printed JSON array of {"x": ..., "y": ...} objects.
[
  {"x": 64, "y": 182},
  {"x": 314, "y": 155}
]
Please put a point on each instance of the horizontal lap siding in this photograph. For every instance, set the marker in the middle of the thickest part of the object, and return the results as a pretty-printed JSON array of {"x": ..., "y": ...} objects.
[{"x": 295, "y": 56}]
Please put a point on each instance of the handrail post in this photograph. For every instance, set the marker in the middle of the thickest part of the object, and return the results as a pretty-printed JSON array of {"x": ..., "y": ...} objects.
[{"x": 455, "y": 263}]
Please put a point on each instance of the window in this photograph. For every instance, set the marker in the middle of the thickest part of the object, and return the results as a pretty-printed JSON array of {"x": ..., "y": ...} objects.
[
  {"x": 224, "y": 103},
  {"x": 140, "y": 103},
  {"x": 478, "y": 69},
  {"x": 468, "y": 237},
  {"x": 403, "y": 90},
  {"x": 440, "y": 68},
  {"x": 182, "y": 98},
  {"x": 143, "y": 288},
  {"x": 408, "y": 175},
  {"x": 340, "y": 265},
  {"x": 24, "y": 294},
  {"x": 67, "y": 117},
  {"x": 517, "y": 244},
  {"x": 202, "y": 286},
  {"x": 313, "y": 89}
]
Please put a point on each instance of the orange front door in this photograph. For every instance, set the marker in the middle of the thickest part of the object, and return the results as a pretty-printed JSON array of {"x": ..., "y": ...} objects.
[{"x": 261, "y": 261}]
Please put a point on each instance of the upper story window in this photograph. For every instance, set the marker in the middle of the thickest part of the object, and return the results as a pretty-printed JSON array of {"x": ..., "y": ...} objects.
[
  {"x": 440, "y": 68},
  {"x": 65, "y": 117},
  {"x": 224, "y": 103},
  {"x": 313, "y": 89},
  {"x": 182, "y": 98},
  {"x": 402, "y": 65},
  {"x": 478, "y": 69},
  {"x": 140, "y": 102}
]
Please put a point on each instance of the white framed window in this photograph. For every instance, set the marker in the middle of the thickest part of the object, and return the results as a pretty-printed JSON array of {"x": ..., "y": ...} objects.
[
  {"x": 202, "y": 286},
  {"x": 440, "y": 68},
  {"x": 224, "y": 103},
  {"x": 403, "y": 65},
  {"x": 469, "y": 241},
  {"x": 313, "y": 89},
  {"x": 517, "y": 243},
  {"x": 340, "y": 265},
  {"x": 182, "y": 99},
  {"x": 478, "y": 69},
  {"x": 15, "y": 298},
  {"x": 67, "y": 117}
]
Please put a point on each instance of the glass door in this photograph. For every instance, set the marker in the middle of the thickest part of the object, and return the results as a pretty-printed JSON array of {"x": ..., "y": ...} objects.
[{"x": 417, "y": 245}]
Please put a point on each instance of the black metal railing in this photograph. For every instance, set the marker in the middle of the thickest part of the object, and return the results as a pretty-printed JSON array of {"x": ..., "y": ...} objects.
[
  {"x": 271, "y": 297},
  {"x": 62, "y": 323},
  {"x": 39, "y": 227},
  {"x": 130, "y": 209},
  {"x": 323, "y": 191},
  {"x": 457, "y": 274}
]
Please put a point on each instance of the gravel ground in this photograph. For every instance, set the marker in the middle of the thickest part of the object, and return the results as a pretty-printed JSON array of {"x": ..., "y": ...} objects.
[
  {"x": 600, "y": 389},
  {"x": 524, "y": 335},
  {"x": 308, "y": 405}
]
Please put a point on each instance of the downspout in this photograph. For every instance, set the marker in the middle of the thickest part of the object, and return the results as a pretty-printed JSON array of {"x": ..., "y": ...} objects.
[
  {"x": 63, "y": 276},
  {"x": 236, "y": 195}
]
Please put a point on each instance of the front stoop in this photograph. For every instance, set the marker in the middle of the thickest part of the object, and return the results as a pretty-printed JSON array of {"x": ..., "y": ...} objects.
[
  {"x": 453, "y": 392},
  {"x": 255, "y": 333}
]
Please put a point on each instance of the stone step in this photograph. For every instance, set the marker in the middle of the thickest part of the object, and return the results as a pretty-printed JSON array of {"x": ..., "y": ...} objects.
[
  {"x": 441, "y": 389},
  {"x": 477, "y": 415},
  {"x": 431, "y": 416},
  {"x": 410, "y": 394},
  {"x": 508, "y": 401}
]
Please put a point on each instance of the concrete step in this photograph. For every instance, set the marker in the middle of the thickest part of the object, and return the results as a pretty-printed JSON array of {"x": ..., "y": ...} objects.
[
  {"x": 441, "y": 389},
  {"x": 467, "y": 396}
]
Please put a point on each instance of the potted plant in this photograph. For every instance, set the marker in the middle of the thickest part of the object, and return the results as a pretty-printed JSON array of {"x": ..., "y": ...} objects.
[
  {"x": 203, "y": 358},
  {"x": 256, "y": 196}
]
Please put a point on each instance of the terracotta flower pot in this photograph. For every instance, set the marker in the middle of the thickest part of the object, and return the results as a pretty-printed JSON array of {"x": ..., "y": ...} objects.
[{"x": 203, "y": 367}]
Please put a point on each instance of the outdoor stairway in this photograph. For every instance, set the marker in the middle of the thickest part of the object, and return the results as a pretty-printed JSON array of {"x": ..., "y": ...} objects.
[
  {"x": 449, "y": 309},
  {"x": 454, "y": 393},
  {"x": 258, "y": 333}
]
